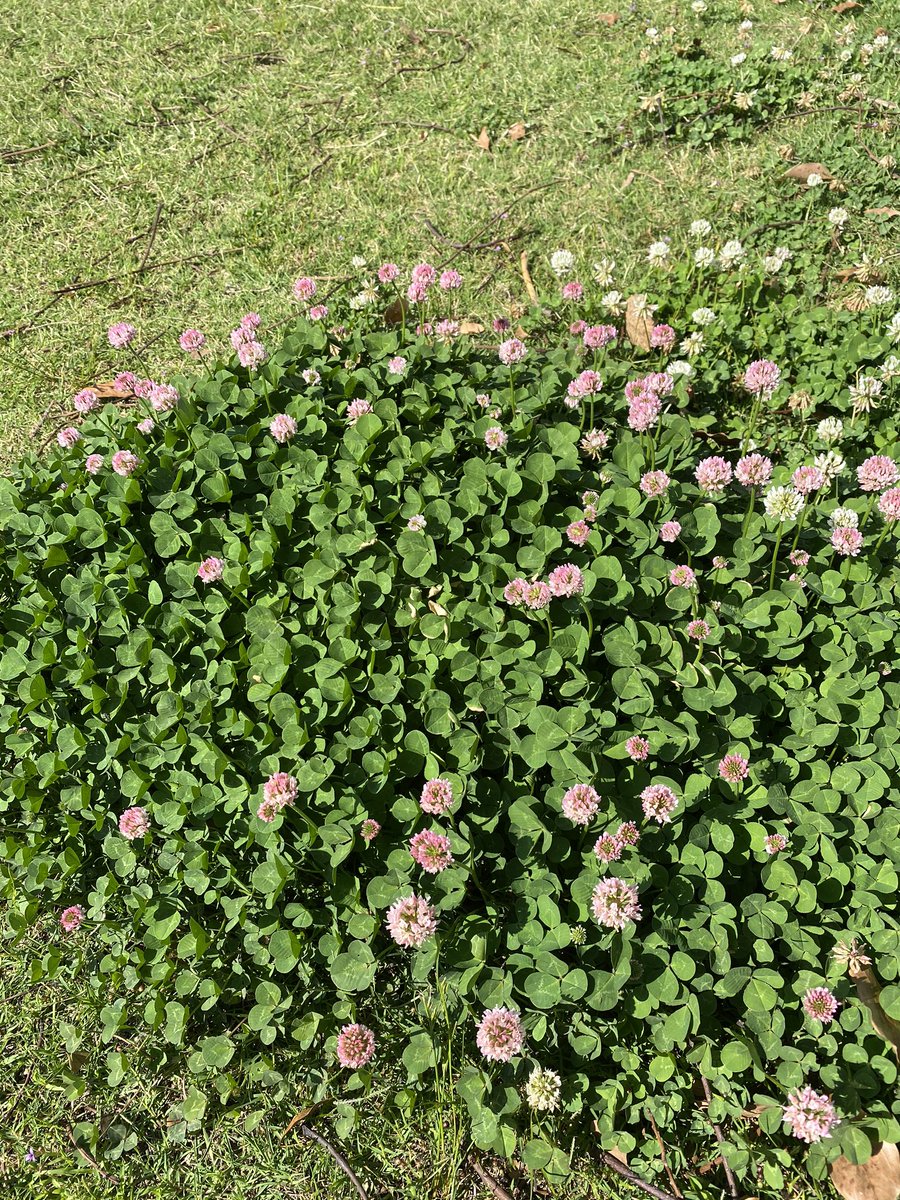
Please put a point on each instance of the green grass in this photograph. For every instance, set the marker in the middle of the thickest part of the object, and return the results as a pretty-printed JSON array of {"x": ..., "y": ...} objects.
[{"x": 280, "y": 138}]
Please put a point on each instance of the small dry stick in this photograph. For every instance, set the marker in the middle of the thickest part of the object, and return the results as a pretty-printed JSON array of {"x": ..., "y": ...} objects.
[
  {"x": 495, "y": 1188},
  {"x": 665, "y": 1162},
  {"x": 88, "y": 1159},
  {"x": 526, "y": 277},
  {"x": 717, "y": 1130},
  {"x": 312, "y": 1136},
  {"x": 152, "y": 236},
  {"x": 628, "y": 1174}
]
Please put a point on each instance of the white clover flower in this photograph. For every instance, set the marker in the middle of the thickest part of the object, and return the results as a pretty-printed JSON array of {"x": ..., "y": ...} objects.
[
  {"x": 542, "y": 1090},
  {"x": 780, "y": 54},
  {"x": 703, "y": 316},
  {"x": 838, "y": 217},
  {"x": 830, "y": 430},
  {"x": 603, "y": 271},
  {"x": 892, "y": 332},
  {"x": 783, "y": 503},
  {"x": 865, "y": 392},
  {"x": 699, "y": 7},
  {"x": 416, "y": 523},
  {"x": 700, "y": 229},
  {"x": 731, "y": 253},
  {"x": 704, "y": 257},
  {"x": 830, "y": 464},
  {"x": 772, "y": 264},
  {"x": 743, "y": 100},
  {"x": 692, "y": 344},
  {"x": 363, "y": 299},
  {"x": 745, "y": 27},
  {"x": 652, "y": 35},
  {"x": 562, "y": 263},
  {"x": 844, "y": 518},
  {"x": 813, "y": 179},
  {"x": 882, "y": 41},
  {"x": 785, "y": 253},
  {"x": 890, "y": 368},
  {"x": 358, "y": 263},
  {"x": 680, "y": 367},
  {"x": 657, "y": 252},
  {"x": 877, "y": 295},
  {"x": 613, "y": 302},
  {"x": 737, "y": 59}
]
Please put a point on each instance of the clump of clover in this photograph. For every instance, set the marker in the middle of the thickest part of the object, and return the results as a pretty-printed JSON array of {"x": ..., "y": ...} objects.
[{"x": 364, "y": 657}]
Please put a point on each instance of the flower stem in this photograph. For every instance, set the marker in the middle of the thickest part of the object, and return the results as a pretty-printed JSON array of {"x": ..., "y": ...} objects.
[{"x": 778, "y": 538}]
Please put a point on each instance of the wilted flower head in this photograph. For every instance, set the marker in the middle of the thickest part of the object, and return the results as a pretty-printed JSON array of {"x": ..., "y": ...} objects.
[
  {"x": 134, "y": 823},
  {"x": 580, "y": 803},
  {"x": 658, "y": 803},
  {"x": 852, "y": 956},
  {"x": 542, "y": 1090},
  {"x": 734, "y": 768},
  {"x": 877, "y": 473},
  {"x": 762, "y": 377},
  {"x": 811, "y": 1115},
  {"x": 511, "y": 351},
  {"x": 411, "y": 920},
  {"x": 355, "y": 1046},
  {"x": 783, "y": 503},
  {"x": 431, "y": 851},
  {"x": 71, "y": 918},
  {"x": 614, "y": 903},
  {"x": 121, "y": 334},
  {"x": 437, "y": 796},
  {"x": 753, "y": 470},
  {"x": 820, "y": 1004},
  {"x": 93, "y": 463},
  {"x": 500, "y": 1034},
  {"x": 713, "y": 475},
  {"x": 210, "y": 570},
  {"x": 594, "y": 443}
]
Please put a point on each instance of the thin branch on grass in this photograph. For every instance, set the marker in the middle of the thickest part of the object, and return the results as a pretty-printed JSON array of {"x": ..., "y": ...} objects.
[
  {"x": 496, "y": 1189},
  {"x": 12, "y": 155},
  {"x": 28, "y": 324},
  {"x": 152, "y": 236},
  {"x": 439, "y": 66},
  {"x": 89, "y": 1159},
  {"x": 168, "y": 262},
  {"x": 312, "y": 1136},
  {"x": 480, "y": 233},
  {"x": 665, "y": 1162},
  {"x": 473, "y": 248},
  {"x": 717, "y": 1130},
  {"x": 626, "y": 1172}
]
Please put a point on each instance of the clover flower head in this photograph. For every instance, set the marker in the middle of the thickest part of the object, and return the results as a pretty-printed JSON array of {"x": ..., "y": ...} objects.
[
  {"x": 595, "y": 337},
  {"x": 511, "y": 351},
  {"x": 734, "y": 768},
  {"x": 542, "y": 1090},
  {"x": 638, "y": 748},
  {"x": 282, "y": 428},
  {"x": 658, "y": 803},
  {"x": 670, "y": 531},
  {"x": 71, "y": 918},
  {"x": 654, "y": 483},
  {"x": 762, "y": 377},
  {"x": 355, "y": 1046},
  {"x": 437, "y": 796},
  {"x": 682, "y": 576},
  {"x": 877, "y": 473},
  {"x": 500, "y": 1034},
  {"x": 847, "y": 542},
  {"x": 811, "y": 1115},
  {"x": 134, "y": 823},
  {"x": 210, "y": 569},
  {"x": 431, "y": 851},
  {"x": 774, "y": 843},
  {"x": 713, "y": 475},
  {"x": 566, "y": 580},
  {"x": 121, "y": 335},
  {"x": 580, "y": 803},
  {"x": 698, "y": 630},
  {"x": 495, "y": 438},
  {"x": 411, "y": 921},
  {"x": 820, "y": 1004},
  {"x": 783, "y": 503},
  {"x": 369, "y": 830},
  {"x": 614, "y": 903}
]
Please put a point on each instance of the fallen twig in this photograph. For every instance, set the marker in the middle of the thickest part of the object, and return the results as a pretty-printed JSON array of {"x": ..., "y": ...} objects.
[
  {"x": 626, "y": 1172},
  {"x": 11, "y": 155},
  {"x": 312, "y": 1136},
  {"x": 167, "y": 262},
  {"x": 526, "y": 277},
  {"x": 496, "y": 1189},
  {"x": 665, "y": 1162},
  {"x": 717, "y": 1130},
  {"x": 152, "y": 236},
  {"x": 89, "y": 1159},
  {"x": 439, "y": 66}
]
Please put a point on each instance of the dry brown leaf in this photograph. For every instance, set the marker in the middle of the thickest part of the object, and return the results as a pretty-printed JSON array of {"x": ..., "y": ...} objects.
[
  {"x": 607, "y": 18},
  {"x": 620, "y": 1155},
  {"x": 526, "y": 277},
  {"x": 856, "y": 303},
  {"x": 301, "y": 1116},
  {"x": 109, "y": 391},
  {"x": 877, "y": 1179},
  {"x": 484, "y": 139},
  {"x": 470, "y": 327},
  {"x": 516, "y": 132},
  {"x": 628, "y": 180},
  {"x": 396, "y": 311},
  {"x": 846, "y": 6},
  {"x": 869, "y": 991},
  {"x": 803, "y": 171},
  {"x": 637, "y": 322},
  {"x": 883, "y": 212}
]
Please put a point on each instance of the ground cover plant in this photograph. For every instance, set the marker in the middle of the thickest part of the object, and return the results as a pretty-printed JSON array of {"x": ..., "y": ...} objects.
[{"x": 537, "y": 686}]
